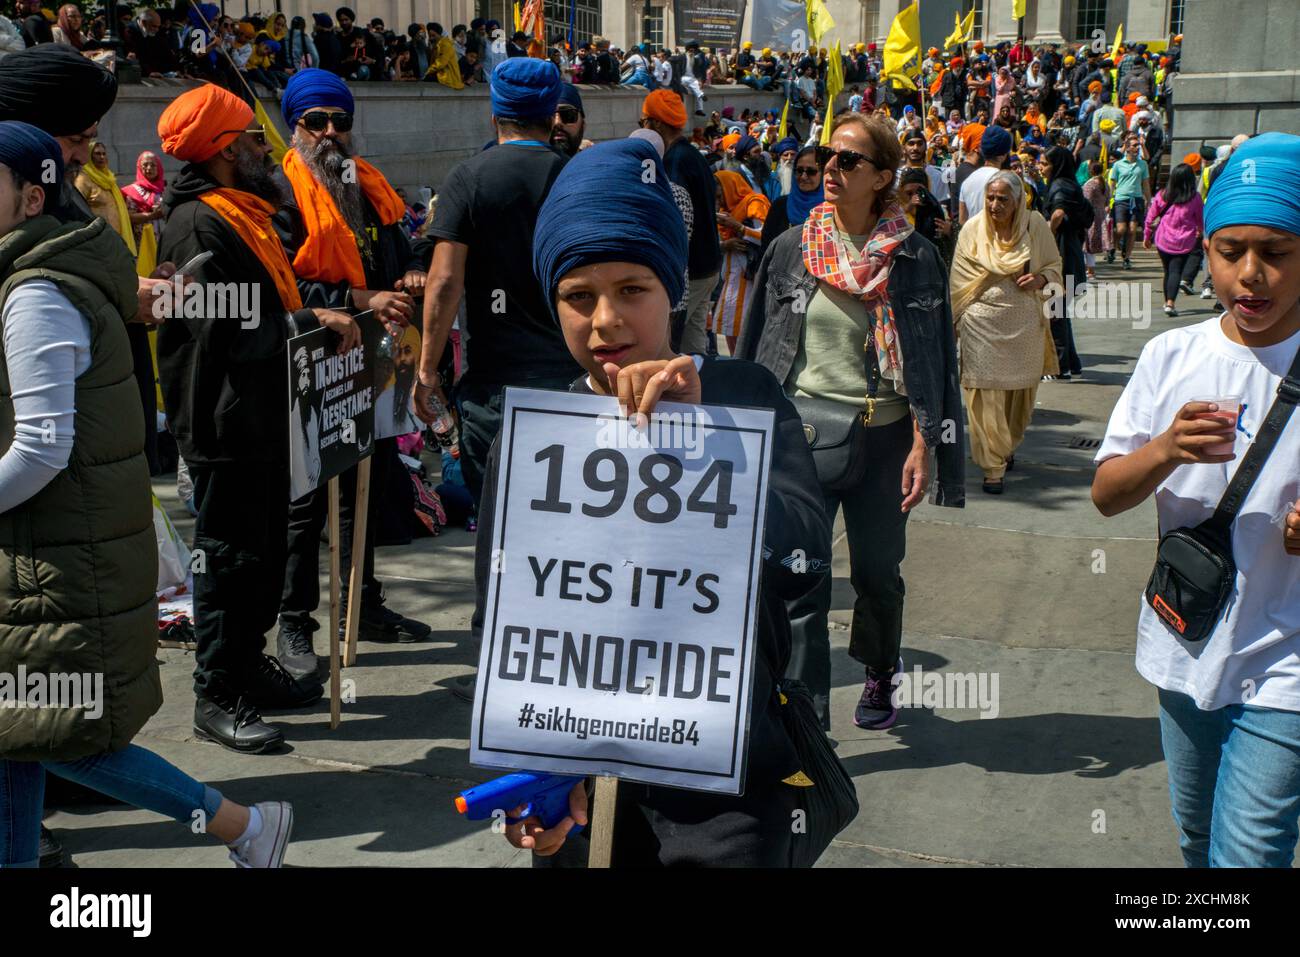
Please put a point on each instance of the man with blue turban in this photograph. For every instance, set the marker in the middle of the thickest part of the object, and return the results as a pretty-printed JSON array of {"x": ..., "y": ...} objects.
[
  {"x": 1205, "y": 402},
  {"x": 483, "y": 227},
  {"x": 623, "y": 344},
  {"x": 342, "y": 229},
  {"x": 570, "y": 121}
]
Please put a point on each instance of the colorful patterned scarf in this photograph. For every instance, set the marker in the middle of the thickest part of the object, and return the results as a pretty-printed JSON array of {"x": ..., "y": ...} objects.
[{"x": 826, "y": 257}]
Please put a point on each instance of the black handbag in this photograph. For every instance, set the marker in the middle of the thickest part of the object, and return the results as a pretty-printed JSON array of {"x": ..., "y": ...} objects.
[
  {"x": 1195, "y": 571},
  {"x": 826, "y": 793},
  {"x": 837, "y": 432}
]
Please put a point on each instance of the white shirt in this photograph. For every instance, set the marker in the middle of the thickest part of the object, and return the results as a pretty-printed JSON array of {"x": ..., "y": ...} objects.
[
  {"x": 1253, "y": 653},
  {"x": 663, "y": 72},
  {"x": 972, "y": 191}
]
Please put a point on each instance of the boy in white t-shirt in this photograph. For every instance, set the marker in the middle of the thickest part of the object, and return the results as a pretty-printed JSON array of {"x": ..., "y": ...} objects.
[{"x": 1229, "y": 705}]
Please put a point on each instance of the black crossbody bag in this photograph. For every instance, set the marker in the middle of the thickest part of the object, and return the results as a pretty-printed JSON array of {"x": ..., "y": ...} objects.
[
  {"x": 837, "y": 432},
  {"x": 1195, "y": 570}
]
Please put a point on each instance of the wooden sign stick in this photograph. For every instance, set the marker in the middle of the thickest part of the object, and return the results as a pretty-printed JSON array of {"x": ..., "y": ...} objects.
[
  {"x": 355, "y": 580},
  {"x": 602, "y": 821},
  {"x": 335, "y": 684}
]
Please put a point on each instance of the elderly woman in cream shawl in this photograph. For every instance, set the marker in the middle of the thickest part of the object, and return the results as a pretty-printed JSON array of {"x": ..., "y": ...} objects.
[{"x": 1006, "y": 258}]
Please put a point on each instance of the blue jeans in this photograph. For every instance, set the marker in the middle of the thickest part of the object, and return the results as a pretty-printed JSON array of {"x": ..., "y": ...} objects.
[
  {"x": 133, "y": 775},
  {"x": 1234, "y": 782}
]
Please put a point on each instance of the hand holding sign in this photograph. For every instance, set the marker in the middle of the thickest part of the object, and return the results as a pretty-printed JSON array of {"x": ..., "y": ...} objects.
[
  {"x": 343, "y": 324},
  {"x": 640, "y": 386}
]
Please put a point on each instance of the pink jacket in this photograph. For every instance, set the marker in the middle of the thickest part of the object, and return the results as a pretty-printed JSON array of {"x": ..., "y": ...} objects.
[{"x": 1180, "y": 226}]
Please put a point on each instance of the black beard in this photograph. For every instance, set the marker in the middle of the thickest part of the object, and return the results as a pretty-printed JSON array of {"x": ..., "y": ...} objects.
[
  {"x": 568, "y": 145},
  {"x": 758, "y": 166},
  {"x": 255, "y": 174},
  {"x": 327, "y": 160}
]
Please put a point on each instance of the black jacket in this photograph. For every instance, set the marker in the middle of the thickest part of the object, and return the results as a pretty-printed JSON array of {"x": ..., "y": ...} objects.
[
  {"x": 796, "y": 525},
  {"x": 952, "y": 90},
  {"x": 918, "y": 293},
  {"x": 224, "y": 383}
]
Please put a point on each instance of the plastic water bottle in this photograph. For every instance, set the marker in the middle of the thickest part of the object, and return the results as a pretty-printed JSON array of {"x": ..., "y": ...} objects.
[{"x": 443, "y": 426}]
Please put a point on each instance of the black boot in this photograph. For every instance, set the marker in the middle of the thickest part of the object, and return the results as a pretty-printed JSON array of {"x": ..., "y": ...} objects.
[
  {"x": 51, "y": 849},
  {"x": 294, "y": 649},
  {"x": 236, "y": 726},
  {"x": 269, "y": 686}
]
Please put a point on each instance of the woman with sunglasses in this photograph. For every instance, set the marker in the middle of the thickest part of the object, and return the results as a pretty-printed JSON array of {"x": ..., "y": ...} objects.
[
  {"x": 793, "y": 208},
  {"x": 851, "y": 314}
]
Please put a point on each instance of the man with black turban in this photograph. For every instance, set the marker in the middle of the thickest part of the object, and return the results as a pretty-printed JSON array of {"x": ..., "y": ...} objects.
[{"x": 56, "y": 89}]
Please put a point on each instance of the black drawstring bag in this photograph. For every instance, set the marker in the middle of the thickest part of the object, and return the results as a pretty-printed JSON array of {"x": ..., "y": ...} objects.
[
  {"x": 1195, "y": 572},
  {"x": 826, "y": 793}
]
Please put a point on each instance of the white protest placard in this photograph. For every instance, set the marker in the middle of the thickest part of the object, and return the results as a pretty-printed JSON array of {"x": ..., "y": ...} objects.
[{"x": 619, "y": 631}]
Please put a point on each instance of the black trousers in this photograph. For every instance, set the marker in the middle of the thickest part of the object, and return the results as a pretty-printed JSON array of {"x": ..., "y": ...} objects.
[
  {"x": 307, "y": 519},
  {"x": 142, "y": 361},
  {"x": 239, "y": 542},
  {"x": 657, "y": 827},
  {"x": 480, "y": 406},
  {"x": 876, "y": 529},
  {"x": 1175, "y": 271}
]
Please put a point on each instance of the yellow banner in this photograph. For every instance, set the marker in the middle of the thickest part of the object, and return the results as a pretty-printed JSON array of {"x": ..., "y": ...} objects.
[
  {"x": 1018, "y": 9},
  {"x": 278, "y": 149},
  {"x": 834, "y": 84},
  {"x": 903, "y": 46},
  {"x": 820, "y": 21}
]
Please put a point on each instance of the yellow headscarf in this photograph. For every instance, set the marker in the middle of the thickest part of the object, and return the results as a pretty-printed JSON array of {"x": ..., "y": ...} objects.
[
  {"x": 105, "y": 180},
  {"x": 983, "y": 259}
]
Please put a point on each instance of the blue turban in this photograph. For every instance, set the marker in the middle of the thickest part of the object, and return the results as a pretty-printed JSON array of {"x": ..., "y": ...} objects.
[
  {"x": 492, "y": 25},
  {"x": 744, "y": 145},
  {"x": 569, "y": 95},
  {"x": 782, "y": 146},
  {"x": 995, "y": 142},
  {"x": 323, "y": 20},
  {"x": 525, "y": 89},
  {"x": 34, "y": 155},
  {"x": 1259, "y": 186},
  {"x": 314, "y": 87},
  {"x": 272, "y": 46},
  {"x": 640, "y": 221}
]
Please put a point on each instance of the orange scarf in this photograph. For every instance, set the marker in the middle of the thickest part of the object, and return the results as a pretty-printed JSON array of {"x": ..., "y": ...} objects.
[
  {"x": 250, "y": 218},
  {"x": 742, "y": 203},
  {"x": 330, "y": 251}
]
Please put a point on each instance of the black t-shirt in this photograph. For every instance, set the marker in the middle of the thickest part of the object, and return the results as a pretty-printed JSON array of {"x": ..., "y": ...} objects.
[
  {"x": 490, "y": 203},
  {"x": 36, "y": 29},
  {"x": 689, "y": 170}
]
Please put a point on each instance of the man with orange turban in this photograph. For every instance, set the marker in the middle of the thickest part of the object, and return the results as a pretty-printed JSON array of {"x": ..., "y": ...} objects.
[
  {"x": 341, "y": 226},
  {"x": 664, "y": 113},
  {"x": 222, "y": 361}
]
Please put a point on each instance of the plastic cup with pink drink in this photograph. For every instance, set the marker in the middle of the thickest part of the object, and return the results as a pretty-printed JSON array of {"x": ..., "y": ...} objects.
[{"x": 1229, "y": 407}]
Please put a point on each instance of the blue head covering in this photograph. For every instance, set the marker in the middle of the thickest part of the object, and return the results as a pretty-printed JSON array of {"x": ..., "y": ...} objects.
[
  {"x": 209, "y": 11},
  {"x": 569, "y": 95},
  {"x": 323, "y": 20},
  {"x": 524, "y": 88},
  {"x": 798, "y": 204},
  {"x": 314, "y": 87},
  {"x": 272, "y": 46},
  {"x": 744, "y": 145},
  {"x": 34, "y": 155},
  {"x": 1259, "y": 186},
  {"x": 640, "y": 221},
  {"x": 995, "y": 142},
  {"x": 789, "y": 143}
]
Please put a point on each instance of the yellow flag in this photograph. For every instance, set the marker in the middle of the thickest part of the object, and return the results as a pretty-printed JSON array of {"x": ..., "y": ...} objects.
[
  {"x": 1119, "y": 39},
  {"x": 820, "y": 21},
  {"x": 1105, "y": 160},
  {"x": 518, "y": 18},
  {"x": 834, "y": 84},
  {"x": 278, "y": 149},
  {"x": 961, "y": 29},
  {"x": 902, "y": 58},
  {"x": 1018, "y": 9},
  {"x": 785, "y": 113}
]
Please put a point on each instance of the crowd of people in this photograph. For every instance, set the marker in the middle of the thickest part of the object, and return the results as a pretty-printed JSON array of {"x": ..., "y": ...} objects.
[{"x": 887, "y": 292}]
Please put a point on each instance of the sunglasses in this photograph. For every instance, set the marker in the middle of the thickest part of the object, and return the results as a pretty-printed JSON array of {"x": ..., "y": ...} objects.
[
  {"x": 315, "y": 121},
  {"x": 568, "y": 114},
  {"x": 807, "y": 171},
  {"x": 846, "y": 160},
  {"x": 258, "y": 133}
]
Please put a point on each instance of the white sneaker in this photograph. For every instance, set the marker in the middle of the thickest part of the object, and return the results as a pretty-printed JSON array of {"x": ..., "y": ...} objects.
[
  {"x": 1207, "y": 293},
  {"x": 267, "y": 848}
]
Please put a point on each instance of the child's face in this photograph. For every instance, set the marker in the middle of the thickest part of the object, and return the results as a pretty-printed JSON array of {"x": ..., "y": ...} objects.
[
  {"x": 613, "y": 312},
  {"x": 1256, "y": 271},
  {"x": 912, "y": 196}
]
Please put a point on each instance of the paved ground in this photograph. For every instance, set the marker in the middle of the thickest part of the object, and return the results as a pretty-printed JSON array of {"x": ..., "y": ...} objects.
[{"x": 1034, "y": 587}]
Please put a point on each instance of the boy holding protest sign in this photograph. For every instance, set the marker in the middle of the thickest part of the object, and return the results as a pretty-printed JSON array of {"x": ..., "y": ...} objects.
[{"x": 611, "y": 293}]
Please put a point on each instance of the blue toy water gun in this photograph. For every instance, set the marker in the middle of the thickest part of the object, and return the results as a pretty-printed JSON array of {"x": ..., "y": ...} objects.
[{"x": 544, "y": 795}]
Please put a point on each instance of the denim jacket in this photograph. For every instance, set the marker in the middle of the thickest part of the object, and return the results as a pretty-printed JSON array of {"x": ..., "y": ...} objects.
[{"x": 918, "y": 293}]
